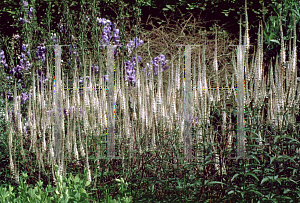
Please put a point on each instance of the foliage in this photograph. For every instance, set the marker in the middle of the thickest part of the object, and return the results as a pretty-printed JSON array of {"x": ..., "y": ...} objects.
[
  {"x": 287, "y": 9},
  {"x": 72, "y": 189}
]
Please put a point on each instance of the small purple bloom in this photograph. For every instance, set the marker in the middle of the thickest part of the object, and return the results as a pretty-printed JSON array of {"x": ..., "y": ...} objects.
[
  {"x": 134, "y": 44},
  {"x": 41, "y": 50},
  {"x": 24, "y": 46},
  {"x": 95, "y": 68},
  {"x": 54, "y": 39},
  {"x": 2, "y": 59},
  {"x": 22, "y": 22},
  {"x": 17, "y": 36},
  {"x": 134, "y": 59},
  {"x": 105, "y": 77},
  {"x": 25, "y": 3},
  {"x": 24, "y": 97},
  {"x": 30, "y": 12}
]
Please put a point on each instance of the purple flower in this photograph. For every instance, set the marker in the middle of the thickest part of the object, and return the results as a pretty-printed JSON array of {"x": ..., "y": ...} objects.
[
  {"x": 16, "y": 36},
  {"x": 27, "y": 65},
  {"x": 22, "y": 22},
  {"x": 134, "y": 59},
  {"x": 116, "y": 36},
  {"x": 130, "y": 71},
  {"x": 95, "y": 68},
  {"x": 159, "y": 63},
  {"x": 65, "y": 112},
  {"x": 23, "y": 56},
  {"x": 2, "y": 59},
  {"x": 24, "y": 46},
  {"x": 74, "y": 53},
  {"x": 54, "y": 39},
  {"x": 25, "y": 3},
  {"x": 41, "y": 50},
  {"x": 106, "y": 34},
  {"x": 103, "y": 21},
  {"x": 61, "y": 27},
  {"x": 30, "y": 12},
  {"x": 194, "y": 121},
  {"x": 9, "y": 96},
  {"x": 105, "y": 77},
  {"x": 100, "y": 21},
  {"x": 24, "y": 97},
  {"x": 134, "y": 44},
  {"x": 25, "y": 127}
]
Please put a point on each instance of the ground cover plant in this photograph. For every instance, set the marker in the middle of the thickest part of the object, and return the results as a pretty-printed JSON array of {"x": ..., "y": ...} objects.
[{"x": 149, "y": 105}]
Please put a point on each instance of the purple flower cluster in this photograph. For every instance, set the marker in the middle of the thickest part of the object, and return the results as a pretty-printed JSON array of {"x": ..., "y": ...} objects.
[
  {"x": 130, "y": 68},
  {"x": 106, "y": 33},
  {"x": 40, "y": 53},
  {"x": 22, "y": 20},
  {"x": 71, "y": 109},
  {"x": 30, "y": 12},
  {"x": 194, "y": 121},
  {"x": 105, "y": 77},
  {"x": 103, "y": 21},
  {"x": 24, "y": 97},
  {"x": 74, "y": 52},
  {"x": 134, "y": 44},
  {"x": 62, "y": 27},
  {"x": 24, "y": 64},
  {"x": 3, "y": 59},
  {"x": 159, "y": 63},
  {"x": 54, "y": 39},
  {"x": 95, "y": 68},
  {"x": 25, "y": 3}
]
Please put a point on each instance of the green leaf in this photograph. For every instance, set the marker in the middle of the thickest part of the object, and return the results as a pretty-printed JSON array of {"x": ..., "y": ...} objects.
[
  {"x": 256, "y": 192},
  {"x": 286, "y": 157},
  {"x": 215, "y": 182},
  {"x": 264, "y": 180},
  {"x": 170, "y": 7},
  {"x": 286, "y": 191},
  {"x": 234, "y": 176},
  {"x": 251, "y": 174},
  {"x": 76, "y": 180},
  {"x": 272, "y": 158},
  {"x": 230, "y": 192}
]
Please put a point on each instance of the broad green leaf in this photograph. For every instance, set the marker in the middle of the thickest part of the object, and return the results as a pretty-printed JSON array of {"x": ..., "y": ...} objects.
[
  {"x": 286, "y": 157},
  {"x": 234, "y": 176},
  {"x": 251, "y": 174},
  {"x": 264, "y": 180},
  {"x": 272, "y": 158}
]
